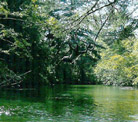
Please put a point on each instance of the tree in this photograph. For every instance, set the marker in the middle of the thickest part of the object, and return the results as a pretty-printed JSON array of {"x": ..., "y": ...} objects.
[{"x": 41, "y": 38}]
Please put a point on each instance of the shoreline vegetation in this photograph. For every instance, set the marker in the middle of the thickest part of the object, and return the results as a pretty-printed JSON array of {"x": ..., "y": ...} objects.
[{"x": 45, "y": 42}]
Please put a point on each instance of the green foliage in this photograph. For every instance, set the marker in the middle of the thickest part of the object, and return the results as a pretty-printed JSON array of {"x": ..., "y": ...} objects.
[
  {"x": 119, "y": 68},
  {"x": 33, "y": 41},
  {"x": 55, "y": 42}
]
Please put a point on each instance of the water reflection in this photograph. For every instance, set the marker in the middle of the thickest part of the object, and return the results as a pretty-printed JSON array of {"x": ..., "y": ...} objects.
[{"x": 76, "y": 103}]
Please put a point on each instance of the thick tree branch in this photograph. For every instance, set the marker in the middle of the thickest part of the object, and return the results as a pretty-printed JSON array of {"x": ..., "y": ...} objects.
[
  {"x": 11, "y": 17},
  {"x": 14, "y": 19}
]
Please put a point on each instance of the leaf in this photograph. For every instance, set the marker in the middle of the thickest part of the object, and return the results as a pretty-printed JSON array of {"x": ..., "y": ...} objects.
[{"x": 34, "y": 1}]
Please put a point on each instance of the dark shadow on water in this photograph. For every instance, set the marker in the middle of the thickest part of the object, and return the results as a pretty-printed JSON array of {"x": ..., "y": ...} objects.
[{"x": 56, "y": 100}]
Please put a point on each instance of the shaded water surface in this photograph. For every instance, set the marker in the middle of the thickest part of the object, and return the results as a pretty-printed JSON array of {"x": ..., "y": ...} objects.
[{"x": 76, "y": 103}]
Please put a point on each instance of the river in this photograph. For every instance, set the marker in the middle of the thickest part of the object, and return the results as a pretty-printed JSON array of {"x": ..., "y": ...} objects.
[{"x": 72, "y": 103}]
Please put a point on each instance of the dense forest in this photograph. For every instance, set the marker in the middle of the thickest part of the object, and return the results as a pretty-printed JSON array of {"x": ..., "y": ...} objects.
[{"x": 68, "y": 42}]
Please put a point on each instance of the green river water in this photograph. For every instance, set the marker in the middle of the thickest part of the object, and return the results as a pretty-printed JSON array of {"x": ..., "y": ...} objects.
[{"x": 73, "y": 103}]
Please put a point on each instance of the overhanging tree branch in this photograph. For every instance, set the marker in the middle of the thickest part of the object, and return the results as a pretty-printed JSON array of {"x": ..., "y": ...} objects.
[
  {"x": 14, "y": 19},
  {"x": 101, "y": 28},
  {"x": 81, "y": 18}
]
